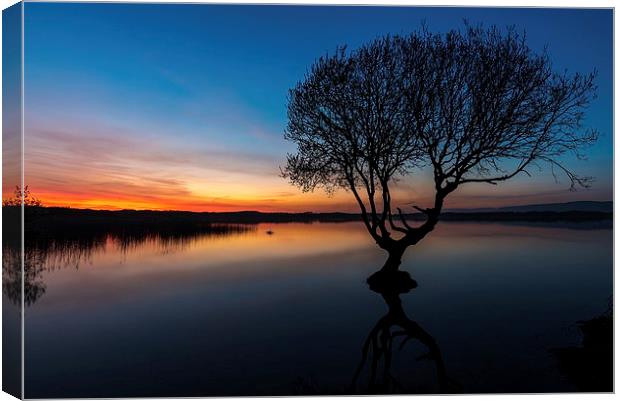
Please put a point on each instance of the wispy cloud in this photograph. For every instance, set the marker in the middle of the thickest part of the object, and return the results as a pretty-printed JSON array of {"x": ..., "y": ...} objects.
[{"x": 93, "y": 164}]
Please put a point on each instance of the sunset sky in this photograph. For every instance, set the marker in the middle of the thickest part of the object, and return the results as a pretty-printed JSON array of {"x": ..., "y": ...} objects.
[{"x": 184, "y": 106}]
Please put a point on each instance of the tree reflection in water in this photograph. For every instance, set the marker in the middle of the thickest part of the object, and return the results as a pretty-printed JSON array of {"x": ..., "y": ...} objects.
[{"x": 397, "y": 327}]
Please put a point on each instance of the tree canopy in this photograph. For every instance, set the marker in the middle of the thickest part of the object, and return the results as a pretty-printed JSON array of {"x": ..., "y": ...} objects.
[{"x": 475, "y": 105}]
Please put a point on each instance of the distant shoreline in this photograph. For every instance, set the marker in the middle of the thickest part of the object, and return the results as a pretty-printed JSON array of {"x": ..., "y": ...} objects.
[{"x": 57, "y": 214}]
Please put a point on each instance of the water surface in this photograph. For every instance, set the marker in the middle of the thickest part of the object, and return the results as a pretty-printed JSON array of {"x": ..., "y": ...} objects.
[{"x": 248, "y": 313}]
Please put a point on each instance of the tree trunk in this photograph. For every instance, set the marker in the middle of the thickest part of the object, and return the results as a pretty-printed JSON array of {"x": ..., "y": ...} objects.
[{"x": 394, "y": 259}]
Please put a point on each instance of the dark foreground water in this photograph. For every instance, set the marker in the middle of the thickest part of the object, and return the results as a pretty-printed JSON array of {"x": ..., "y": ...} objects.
[{"x": 248, "y": 313}]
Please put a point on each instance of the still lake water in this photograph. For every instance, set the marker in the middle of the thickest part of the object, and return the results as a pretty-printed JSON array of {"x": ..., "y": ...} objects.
[{"x": 257, "y": 314}]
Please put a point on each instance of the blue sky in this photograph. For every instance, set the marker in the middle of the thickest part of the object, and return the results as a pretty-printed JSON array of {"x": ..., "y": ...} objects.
[{"x": 194, "y": 96}]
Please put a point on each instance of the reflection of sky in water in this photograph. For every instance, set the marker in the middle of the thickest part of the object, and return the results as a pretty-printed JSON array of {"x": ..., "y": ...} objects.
[{"x": 258, "y": 314}]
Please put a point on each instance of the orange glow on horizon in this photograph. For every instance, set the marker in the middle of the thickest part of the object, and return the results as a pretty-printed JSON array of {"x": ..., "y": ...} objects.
[{"x": 315, "y": 202}]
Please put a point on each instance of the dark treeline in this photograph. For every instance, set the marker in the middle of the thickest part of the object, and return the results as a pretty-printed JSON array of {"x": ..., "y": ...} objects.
[{"x": 59, "y": 223}]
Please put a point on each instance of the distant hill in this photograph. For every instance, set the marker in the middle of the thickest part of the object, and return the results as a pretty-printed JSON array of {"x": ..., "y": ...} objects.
[{"x": 579, "y": 206}]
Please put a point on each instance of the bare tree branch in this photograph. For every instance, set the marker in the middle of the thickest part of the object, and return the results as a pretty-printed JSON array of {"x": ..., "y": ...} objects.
[{"x": 474, "y": 106}]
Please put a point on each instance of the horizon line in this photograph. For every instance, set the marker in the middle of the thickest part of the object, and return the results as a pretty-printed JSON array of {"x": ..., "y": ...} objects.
[{"x": 313, "y": 212}]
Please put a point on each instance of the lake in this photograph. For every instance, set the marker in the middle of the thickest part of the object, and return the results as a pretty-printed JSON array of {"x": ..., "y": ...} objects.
[{"x": 246, "y": 312}]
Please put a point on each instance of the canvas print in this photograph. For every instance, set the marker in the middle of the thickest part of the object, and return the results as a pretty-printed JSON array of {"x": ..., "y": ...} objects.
[{"x": 249, "y": 200}]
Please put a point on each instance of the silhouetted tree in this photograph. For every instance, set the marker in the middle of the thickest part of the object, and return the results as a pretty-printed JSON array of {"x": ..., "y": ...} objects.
[
  {"x": 472, "y": 106},
  {"x": 16, "y": 200}
]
